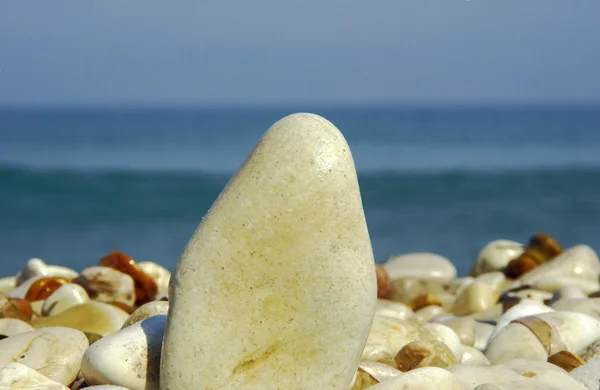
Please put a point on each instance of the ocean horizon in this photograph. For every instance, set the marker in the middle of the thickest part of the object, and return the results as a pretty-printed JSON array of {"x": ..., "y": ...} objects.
[{"x": 77, "y": 183}]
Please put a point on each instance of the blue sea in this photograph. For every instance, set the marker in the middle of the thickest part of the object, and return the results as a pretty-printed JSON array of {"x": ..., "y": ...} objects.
[{"x": 78, "y": 183}]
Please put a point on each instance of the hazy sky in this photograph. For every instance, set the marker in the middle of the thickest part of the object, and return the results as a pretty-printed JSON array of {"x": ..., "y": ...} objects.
[{"x": 278, "y": 51}]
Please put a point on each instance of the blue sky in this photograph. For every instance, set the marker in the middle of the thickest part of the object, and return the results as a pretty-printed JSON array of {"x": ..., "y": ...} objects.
[{"x": 282, "y": 52}]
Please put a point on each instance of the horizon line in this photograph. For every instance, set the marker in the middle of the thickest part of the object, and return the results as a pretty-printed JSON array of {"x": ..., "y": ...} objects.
[{"x": 291, "y": 105}]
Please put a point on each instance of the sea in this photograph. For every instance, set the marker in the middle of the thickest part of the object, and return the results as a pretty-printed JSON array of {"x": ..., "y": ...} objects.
[{"x": 77, "y": 183}]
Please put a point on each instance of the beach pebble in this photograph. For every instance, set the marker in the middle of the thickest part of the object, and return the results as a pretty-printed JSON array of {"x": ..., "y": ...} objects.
[
  {"x": 506, "y": 379},
  {"x": 64, "y": 298},
  {"x": 282, "y": 264},
  {"x": 388, "y": 335},
  {"x": 108, "y": 285},
  {"x": 472, "y": 356},
  {"x": 105, "y": 387},
  {"x": 496, "y": 280},
  {"x": 38, "y": 268},
  {"x": 523, "y": 309},
  {"x": 464, "y": 327},
  {"x": 395, "y": 310},
  {"x": 7, "y": 284},
  {"x": 475, "y": 298},
  {"x": 568, "y": 292},
  {"x": 588, "y": 374},
  {"x": 17, "y": 376},
  {"x": 371, "y": 373},
  {"x": 543, "y": 372},
  {"x": 158, "y": 273},
  {"x": 21, "y": 290},
  {"x": 15, "y": 308},
  {"x": 147, "y": 310},
  {"x": 539, "y": 336},
  {"x": 91, "y": 317},
  {"x": 427, "y": 378},
  {"x": 145, "y": 287},
  {"x": 13, "y": 326},
  {"x": 424, "y": 353},
  {"x": 578, "y": 262},
  {"x": 495, "y": 256},
  {"x": 428, "y": 313},
  {"x": 421, "y": 266},
  {"x": 53, "y": 352},
  {"x": 406, "y": 290},
  {"x": 587, "y": 306},
  {"x": 129, "y": 357}
]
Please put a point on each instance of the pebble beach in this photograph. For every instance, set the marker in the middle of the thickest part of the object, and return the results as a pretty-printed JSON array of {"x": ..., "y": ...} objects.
[{"x": 278, "y": 288}]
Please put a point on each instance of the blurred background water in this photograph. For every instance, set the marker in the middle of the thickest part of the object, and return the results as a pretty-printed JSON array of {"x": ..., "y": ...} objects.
[
  {"x": 469, "y": 121},
  {"x": 76, "y": 184}
]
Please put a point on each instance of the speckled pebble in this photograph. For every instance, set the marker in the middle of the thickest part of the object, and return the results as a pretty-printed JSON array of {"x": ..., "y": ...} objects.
[{"x": 283, "y": 265}]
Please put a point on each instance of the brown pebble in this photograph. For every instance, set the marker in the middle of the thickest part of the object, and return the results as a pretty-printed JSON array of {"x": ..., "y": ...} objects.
[
  {"x": 566, "y": 360},
  {"x": 424, "y": 353},
  {"x": 44, "y": 287},
  {"x": 384, "y": 286},
  {"x": 145, "y": 287},
  {"x": 540, "y": 249},
  {"x": 16, "y": 308}
]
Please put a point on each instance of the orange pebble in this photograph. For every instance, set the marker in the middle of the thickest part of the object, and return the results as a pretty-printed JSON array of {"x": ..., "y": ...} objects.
[
  {"x": 145, "y": 287},
  {"x": 42, "y": 288},
  {"x": 520, "y": 265},
  {"x": 20, "y": 307}
]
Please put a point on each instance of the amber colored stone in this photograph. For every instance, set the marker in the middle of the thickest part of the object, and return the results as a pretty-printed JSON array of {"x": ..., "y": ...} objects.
[
  {"x": 544, "y": 244},
  {"x": 145, "y": 287},
  {"x": 364, "y": 381},
  {"x": 425, "y": 300},
  {"x": 520, "y": 266},
  {"x": 44, "y": 287},
  {"x": 540, "y": 249},
  {"x": 424, "y": 353},
  {"x": 384, "y": 286},
  {"x": 566, "y": 360}
]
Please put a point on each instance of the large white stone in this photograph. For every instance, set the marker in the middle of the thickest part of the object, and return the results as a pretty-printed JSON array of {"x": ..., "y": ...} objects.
[
  {"x": 423, "y": 266},
  {"x": 129, "y": 357},
  {"x": 277, "y": 287},
  {"x": 588, "y": 374},
  {"x": 53, "y": 352}
]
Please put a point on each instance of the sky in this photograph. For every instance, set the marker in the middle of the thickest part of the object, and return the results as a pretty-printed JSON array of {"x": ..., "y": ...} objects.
[{"x": 273, "y": 52}]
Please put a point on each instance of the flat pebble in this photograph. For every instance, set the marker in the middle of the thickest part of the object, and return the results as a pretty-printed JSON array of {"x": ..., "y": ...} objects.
[
  {"x": 422, "y": 266},
  {"x": 53, "y": 352},
  {"x": 91, "y": 317},
  {"x": 17, "y": 376}
]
